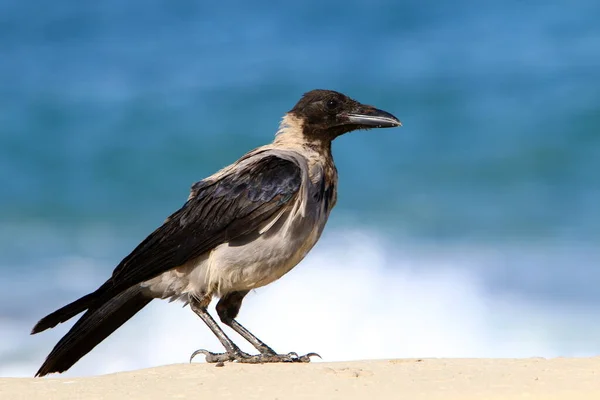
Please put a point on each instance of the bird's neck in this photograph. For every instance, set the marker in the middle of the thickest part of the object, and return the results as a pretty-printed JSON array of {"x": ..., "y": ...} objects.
[
  {"x": 291, "y": 135},
  {"x": 313, "y": 148}
]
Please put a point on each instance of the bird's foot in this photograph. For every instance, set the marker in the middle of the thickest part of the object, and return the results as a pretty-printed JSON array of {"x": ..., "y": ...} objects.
[
  {"x": 211, "y": 357},
  {"x": 241, "y": 357},
  {"x": 272, "y": 357}
]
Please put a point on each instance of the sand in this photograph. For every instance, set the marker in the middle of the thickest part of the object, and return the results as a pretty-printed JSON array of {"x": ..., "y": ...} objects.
[{"x": 456, "y": 379}]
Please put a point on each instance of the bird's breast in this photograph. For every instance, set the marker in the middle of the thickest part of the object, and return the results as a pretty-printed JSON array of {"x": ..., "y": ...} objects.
[{"x": 246, "y": 265}]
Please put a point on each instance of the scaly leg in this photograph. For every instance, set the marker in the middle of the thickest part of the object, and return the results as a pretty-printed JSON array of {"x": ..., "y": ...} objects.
[
  {"x": 233, "y": 352},
  {"x": 227, "y": 309}
]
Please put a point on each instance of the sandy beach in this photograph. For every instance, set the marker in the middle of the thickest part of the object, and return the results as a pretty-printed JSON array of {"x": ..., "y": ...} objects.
[{"x": 457, "y": 379}]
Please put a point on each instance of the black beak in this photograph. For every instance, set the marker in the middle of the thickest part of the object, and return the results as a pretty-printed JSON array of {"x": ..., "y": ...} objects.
[{"x": 372, "y": 117}]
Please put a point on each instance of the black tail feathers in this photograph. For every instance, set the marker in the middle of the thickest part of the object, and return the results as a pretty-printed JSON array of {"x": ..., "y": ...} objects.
[{"x": 101, "y": 319}]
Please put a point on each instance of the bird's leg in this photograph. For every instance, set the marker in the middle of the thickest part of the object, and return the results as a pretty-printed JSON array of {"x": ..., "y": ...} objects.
[
  {"x": 228, "y": 308},
  {"x": 267, "y": 354},
  {"x": 233, "y": 352}
]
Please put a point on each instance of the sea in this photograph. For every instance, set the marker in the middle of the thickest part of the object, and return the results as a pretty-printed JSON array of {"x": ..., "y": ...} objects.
[{"x": 471, "y": 231}]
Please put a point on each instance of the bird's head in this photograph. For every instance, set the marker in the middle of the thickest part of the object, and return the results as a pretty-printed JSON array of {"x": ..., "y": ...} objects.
[{"x": 326, "y": 114}]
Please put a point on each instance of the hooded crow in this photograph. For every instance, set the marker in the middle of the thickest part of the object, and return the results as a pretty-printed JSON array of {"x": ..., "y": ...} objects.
[{"x": 241, "y": 228}]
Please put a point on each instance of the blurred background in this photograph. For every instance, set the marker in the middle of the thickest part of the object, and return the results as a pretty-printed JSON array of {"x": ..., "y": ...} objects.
[{"x": 472, "y": 231}]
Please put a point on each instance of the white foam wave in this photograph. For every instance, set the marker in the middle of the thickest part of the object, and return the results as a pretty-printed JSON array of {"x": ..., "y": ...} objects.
[{"x": 354, "y": 297}]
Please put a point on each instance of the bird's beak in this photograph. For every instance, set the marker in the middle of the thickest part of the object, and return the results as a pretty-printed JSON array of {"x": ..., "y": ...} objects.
[{"x": 372, "y": 117}]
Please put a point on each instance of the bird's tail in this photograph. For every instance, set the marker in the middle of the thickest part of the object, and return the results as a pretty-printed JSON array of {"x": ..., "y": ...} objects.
[
  {"x": 72, "y": 309},
  {"x": 100, "y": 320}
]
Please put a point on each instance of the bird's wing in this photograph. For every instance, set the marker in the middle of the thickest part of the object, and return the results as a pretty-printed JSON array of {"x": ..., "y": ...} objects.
[{"x": 218, "y": 210}]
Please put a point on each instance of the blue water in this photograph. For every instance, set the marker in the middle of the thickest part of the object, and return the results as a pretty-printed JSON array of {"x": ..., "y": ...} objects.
[{"x": 473, "y": 230}]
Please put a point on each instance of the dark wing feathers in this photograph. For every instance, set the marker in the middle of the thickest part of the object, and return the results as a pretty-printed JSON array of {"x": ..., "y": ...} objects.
[{"x": 219, "y": 211}]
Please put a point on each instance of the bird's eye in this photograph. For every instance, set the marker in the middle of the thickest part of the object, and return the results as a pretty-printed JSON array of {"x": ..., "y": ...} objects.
[{"x": 332, "y": 104}]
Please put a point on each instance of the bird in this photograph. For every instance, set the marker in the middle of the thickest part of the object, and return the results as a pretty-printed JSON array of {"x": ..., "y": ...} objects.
[{"x": 240, "y": 229}]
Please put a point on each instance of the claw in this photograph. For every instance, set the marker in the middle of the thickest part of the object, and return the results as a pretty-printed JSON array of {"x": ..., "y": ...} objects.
[
  {"x": 211, "y": 357},
  {"x": 306, "y": 358},
  {"x": 206, "y": 353}
]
